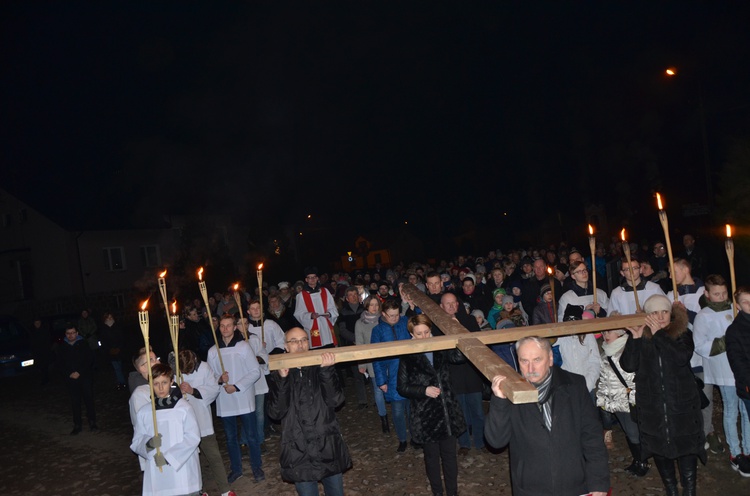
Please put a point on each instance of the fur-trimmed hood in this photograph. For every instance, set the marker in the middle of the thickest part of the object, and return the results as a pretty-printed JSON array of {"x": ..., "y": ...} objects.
[{"x": 677, "y": 326}]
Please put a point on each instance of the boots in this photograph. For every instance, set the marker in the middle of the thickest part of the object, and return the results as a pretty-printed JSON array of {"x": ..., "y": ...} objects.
[
  {"x": 384, "y": 424},
  {"x": 665, "y": 466},
  {"x": 688, "y": 474},
  {"x": 638, "y": 467}
]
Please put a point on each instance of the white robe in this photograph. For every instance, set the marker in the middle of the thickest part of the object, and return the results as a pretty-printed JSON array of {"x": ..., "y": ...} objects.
[
  {"x": 624, "y": 301},
  {"x": 708, "y": 326},
  {"x": 244, "y": 372},
  {"x": 571, "y": 298},
  {"x": 582, "y": 359},
  {"x": 304, "y": 316},
  {"x": 691, "y": 302},
  {"x": 207, "y": 383},
  {"x": 141, "y": 396},
  {"x": 180, "y": 436}
]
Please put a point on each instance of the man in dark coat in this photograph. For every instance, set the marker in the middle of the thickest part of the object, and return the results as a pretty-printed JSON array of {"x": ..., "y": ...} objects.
[
  {"x": 556, "y": 445},
  {"x": 76, "y": 363},
  {"x": 304, "y": 400},
  {"x": 351, "y": 309}
]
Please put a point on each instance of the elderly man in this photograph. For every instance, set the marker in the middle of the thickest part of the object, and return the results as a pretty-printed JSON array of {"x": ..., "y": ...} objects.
[
  {"x": 556, "y": 445},
  {"x": 312, "y": 448}
]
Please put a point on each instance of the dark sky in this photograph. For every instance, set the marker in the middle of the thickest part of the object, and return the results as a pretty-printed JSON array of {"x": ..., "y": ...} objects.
[{"x": 367, "y": 111}]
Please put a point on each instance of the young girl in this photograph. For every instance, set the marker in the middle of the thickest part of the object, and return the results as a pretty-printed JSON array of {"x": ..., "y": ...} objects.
[{"x": 172, "y": 466}]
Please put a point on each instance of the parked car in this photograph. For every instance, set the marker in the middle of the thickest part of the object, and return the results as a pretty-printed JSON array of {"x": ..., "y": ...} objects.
[{"x": 15, "y": 347}]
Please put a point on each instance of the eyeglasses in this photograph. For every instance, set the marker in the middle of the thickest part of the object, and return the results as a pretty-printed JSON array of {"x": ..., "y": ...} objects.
[
  {"x": 659, "y": 248},
  {"x": 393, "y": 315},
  {"x": 580, "y": 271},
  {"x": 297, "y": 341}
]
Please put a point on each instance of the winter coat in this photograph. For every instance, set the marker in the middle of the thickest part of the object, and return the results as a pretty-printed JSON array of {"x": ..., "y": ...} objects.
[
  {"x": 569, "y": 460},
  {"x": 431, "y": 419},
  {"x": 76, "y": 357},
  {"x": 386, "y": 369},
  {"x": 738, "y": 352},
  {"x": 669, "y": 410},
  {"x": 312, "y": 447},
  {"x": 612, "y": 395}
]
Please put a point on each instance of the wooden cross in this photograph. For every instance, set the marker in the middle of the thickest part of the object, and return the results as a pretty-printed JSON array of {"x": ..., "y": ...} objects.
[{"x": 471, "y": 344}]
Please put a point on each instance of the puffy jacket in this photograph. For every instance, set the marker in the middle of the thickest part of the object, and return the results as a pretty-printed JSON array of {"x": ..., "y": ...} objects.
[{"x": 386, "y": 369}]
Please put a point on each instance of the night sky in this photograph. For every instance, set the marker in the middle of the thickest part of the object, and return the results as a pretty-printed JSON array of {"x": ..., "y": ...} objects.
[{"x": 362, "y": 113}]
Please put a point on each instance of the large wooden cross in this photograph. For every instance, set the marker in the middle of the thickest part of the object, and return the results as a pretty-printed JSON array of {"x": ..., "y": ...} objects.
[{"x": 473, "y": 345}]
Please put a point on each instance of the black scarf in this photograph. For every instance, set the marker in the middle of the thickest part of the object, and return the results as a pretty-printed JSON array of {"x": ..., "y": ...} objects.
[{"x": 170, "y": 401}]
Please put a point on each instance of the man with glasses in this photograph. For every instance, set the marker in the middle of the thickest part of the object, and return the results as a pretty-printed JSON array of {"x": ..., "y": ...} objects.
[
  {"x": 581, "y": 293},
  {"x": 304, "y": 401},
  {"x": 622, "y": 299},
  {"x": 316, "y": 311}
]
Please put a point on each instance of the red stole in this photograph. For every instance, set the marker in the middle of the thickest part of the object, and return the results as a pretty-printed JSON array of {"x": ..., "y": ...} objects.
[{"x": 314, "y": 330}]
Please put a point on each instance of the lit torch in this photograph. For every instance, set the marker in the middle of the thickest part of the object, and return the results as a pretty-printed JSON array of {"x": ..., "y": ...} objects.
[
  {"x": 665, "y": 226},
  {"x": 237, "y": 299},
  {"x": 551, "y": 273},
  {"x": 204, "y": 293},
  {"x": 626, "y": 250},
  {"x": 259, "y": 273},
  {"x": 592, "y": 245},
  {"x": 143, "y": 321},
  {"x": 729, "y": 247}
]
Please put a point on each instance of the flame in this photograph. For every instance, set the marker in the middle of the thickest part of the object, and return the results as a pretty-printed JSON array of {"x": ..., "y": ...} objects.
[
  {"x": 549, "y": 270},
  {"x": 622, "y": 234},
  {"x": 591, "y": 230},
  {"x": 163, "y": 273},
  {"x": 236, "y": 286},
  {"x": 174, "y": 307},
  {"x": 658, "y": 201},
  {"x": 200, "y": 274},
  {"x": 260, "y": 267},
  {"x": 729, "y": 231},
  {"x": 144, "y": 305}
]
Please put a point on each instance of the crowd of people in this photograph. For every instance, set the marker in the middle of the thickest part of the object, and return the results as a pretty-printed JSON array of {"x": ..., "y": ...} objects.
[{"x": 655, "y": 381}]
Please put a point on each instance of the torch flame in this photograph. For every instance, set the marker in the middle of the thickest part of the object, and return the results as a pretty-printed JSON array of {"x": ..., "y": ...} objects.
[
  {"x": 260, "y": 267},
  {"x": 658, "y": 201},
  {"x": 174, "y": 307},
  {"x": 549, "y": 270},
  {"x": 729, "y": 231},
  {"x": 144, "y": 305},
  {"x": 200, "y": 274},
  {"x": 236, "y": 286},
  {"x": 622, "y": 234},
  {"x": 591, "y": 230},
  {"x": 163, "y": 273}
]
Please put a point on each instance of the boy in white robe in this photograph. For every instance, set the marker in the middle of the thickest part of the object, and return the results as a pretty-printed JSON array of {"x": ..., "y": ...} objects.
[{"x": 172, "y": 464}]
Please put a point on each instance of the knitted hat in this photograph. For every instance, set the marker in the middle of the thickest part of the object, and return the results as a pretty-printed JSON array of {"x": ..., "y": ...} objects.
[
  {"x": 507, "y": 299},
  {"x": 545, "y": 288},
  {"x": 283, "y": 285},
  {"x": 527, "y": 261},
  {"x": 505, "y": 324},
  {"x": 498, "y": 291},
  {"x": 656, "y": 303}
]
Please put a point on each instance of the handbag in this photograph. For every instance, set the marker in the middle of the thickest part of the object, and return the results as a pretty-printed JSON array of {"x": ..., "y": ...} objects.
[
  {"x": 704, "y": 399},
  {"x": 633, "y": 410}
]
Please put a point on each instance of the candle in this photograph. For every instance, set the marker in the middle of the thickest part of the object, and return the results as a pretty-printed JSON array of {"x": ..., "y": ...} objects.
[
  {"x": 163, "y": 291},
  {"x": 259, "y": 273},
  {"x": 143, "y": 321},
  {"x": 551, "y": 273},
  {"x": 592, "y": 245},
  {"x": 204, "y": 294},
  {"x": 174, "y": 333},
  {"x": 665, "y": 226},
  {"x": 729, "y": 247},
  {"x": 626, "y": 250},
  {"x": 237, "y": 299}
]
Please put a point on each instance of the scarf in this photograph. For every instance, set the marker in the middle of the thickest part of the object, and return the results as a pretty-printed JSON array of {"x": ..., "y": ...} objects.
[
  {"x": 170, "y": 401},
  {"x": 369, "y": 318},
  {"x": 719, "y": 306},
  {"x": 611, "y": 349},
  {"x": 545, "y": 395}
]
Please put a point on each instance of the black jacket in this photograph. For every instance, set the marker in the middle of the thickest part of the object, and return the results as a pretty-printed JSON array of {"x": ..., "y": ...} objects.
[
  {"x": 347, "y": 318},
  {"x": 76, "y": 357},
  {"x": 738, "y": 352},
  {"x": 312, "y": 447},
  {"x": 569, "y": 460},
  {"x": 666, "y": 395},
  {"x": 431, "y": 419}
]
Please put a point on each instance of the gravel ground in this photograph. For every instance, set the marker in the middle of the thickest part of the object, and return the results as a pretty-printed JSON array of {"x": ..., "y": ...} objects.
[{"x": 40, "y": 457}]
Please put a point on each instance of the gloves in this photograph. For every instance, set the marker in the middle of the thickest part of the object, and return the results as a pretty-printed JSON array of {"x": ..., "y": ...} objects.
[
  {"x": 718, "y": 347},
  {"x": 154, "y": 442},
  {"x": 160, "y": 460}
]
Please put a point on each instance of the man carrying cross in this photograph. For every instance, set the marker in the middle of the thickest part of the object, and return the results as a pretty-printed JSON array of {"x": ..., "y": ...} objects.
[{"x": 557, "y": 446}]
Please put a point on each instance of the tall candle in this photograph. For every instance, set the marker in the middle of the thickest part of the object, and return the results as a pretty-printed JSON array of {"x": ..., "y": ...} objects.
[
  {"x": 592, "y": 245},
  {"x": 729, "y": 247},
  {"x": 143, "y": 321},
  {"x": 665, "y": 226},
  {"x": 204, "y": 293}
]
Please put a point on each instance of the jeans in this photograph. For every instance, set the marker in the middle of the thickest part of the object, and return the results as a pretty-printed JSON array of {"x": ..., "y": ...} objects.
[
  {"x": 400, "y": 414},
  {"x": 442, "y": 451},
  {"x": 119, "y": 376},
  {"x": 471, "y": 404},
  {"x": 249, "y": 426},
  {"x": 379, "y": 398},
  {"x": 630, "y": 427},
  {"x": 732, "y": 407},
  {"x": 708, "y": 390},
  {"x": 260, "y": 416},
  {"x": 333, "y": 485}
]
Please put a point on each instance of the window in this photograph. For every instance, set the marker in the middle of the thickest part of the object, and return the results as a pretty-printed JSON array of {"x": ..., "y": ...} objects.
[
  {"x": 119, "y": 300},
  {"x": 114, "y": 258},
  {"x": 150, "y": 256}
]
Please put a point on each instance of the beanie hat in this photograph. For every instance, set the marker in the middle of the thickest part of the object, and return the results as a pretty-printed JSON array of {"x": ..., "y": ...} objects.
[
  {"x": 507, "y": 299},
  {"x": 656, "y": 303},
  {"x": 544, "y": 289},
  {"x": 498, "y": 291}
]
